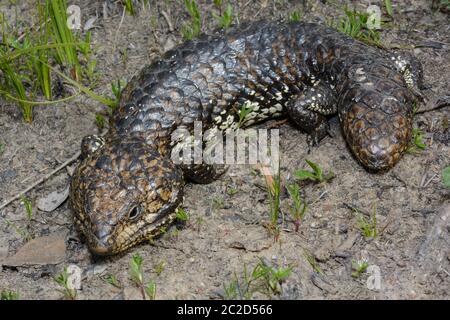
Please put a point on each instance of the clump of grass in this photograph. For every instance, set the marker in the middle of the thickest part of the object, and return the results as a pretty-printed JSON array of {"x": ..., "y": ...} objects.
[
  {"x": 263, "y": 279},
  {"x": 317, "y": 175},
  {"x": 26, "y": 59},
  {"x": 182, "y": 219},
  {"x": 225, "y": 19},
  {"x": 137, "y": 276},
  {"x": 192, "y": 29},
  {"x": 354, "y": 23},
  {"x": 116, "y": 88},
  {"x": 61, "y": 34},
  {"x": 182, "y": 215},
  {"x": 9, "y": 295},
  {"x": 28, "y": 207},
  {"x": 218, "y": 203},
  {"x": 150, "y": 290},
  {"x": 230, "y": 190},
  {"x": 298, "y": 210},
  {"x": 63, "y": 280},
  {"x": 273, "y": 184},
  {"x": 15, "y": 79},
  {"x": 294, "y": 16},
  {"x": 446, "y": 176},
  {"x": 367, "y": 226},
  {"x": 416, "y": 145},
  {"x": 100, "y": 121},
  {"x": 112, "y": 280},
  {"x": 359, "y": 267}
]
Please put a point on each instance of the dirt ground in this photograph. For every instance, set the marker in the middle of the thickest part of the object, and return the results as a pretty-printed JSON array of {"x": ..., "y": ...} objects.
[{"x": 410, "y": 255}]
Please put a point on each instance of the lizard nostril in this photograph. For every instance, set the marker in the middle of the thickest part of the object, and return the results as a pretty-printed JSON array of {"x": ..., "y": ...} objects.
[
  {"x": 101, "y": 233},
  {"x": 101, "y": 242}
]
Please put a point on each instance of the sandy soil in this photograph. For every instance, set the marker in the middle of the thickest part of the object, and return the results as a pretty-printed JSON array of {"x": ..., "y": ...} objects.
[{"x": 410, "y": 254}]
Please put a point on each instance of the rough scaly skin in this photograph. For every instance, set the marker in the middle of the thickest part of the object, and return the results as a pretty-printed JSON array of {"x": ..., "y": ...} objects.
[{"x": 126, "y": 190}]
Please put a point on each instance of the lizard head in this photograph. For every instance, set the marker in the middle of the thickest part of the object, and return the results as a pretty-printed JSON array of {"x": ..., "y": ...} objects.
[{"x": 123, "y": 193}]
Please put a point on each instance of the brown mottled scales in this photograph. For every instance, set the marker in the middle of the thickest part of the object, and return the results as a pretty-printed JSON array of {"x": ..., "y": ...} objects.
[{"x": 127, "y": 188}]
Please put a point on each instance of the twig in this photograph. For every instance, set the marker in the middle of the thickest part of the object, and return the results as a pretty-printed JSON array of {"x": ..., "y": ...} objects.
[
  {"x": 44, "y": 178},
  {"x": 429, "y": 180},
  {"x": 435, "y": 104},
  {"x": 117, "y": 33},
  {"x": 320, "y": 196},
  {"x": 169, "y": 22}
]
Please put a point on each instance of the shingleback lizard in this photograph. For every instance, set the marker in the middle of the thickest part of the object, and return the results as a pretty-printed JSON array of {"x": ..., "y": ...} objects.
[{"x": 126, "y": 187}]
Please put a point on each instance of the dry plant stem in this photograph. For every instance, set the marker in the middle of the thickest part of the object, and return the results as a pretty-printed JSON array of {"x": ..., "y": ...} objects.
[
  {"x": 438, "y": 103},
  {"x": 44, "y": 178}
]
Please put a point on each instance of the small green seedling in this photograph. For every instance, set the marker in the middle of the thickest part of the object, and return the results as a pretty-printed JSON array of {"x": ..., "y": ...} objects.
[
  {"x": 226, "y": 19},
  {"x": 273, "y": 184},
  {"x": 218, "y": 203},
  {"x": 272, "y": 277},
  {"x": 192, "y": 29},
  {"x": 294, "y": 16},
  {"x": 116, "y": 88},
  {"x": 150, "y": 290},
  {"x": 163, "y": 229},
  {"x": 159, "y": 268},
  {"x": 137, "y": 276},
  {"x": 9, "y": 295},
  {"x": 359, "y": 267},
  {"x": 416, "y": 145},
  {"x": 100, "y": 121},
  {"x": 243, "y": 113},
  {"x": 299, "y": 207},
  {"x": 231, "y": 289},
  {"x": 263, "y": 279},
  {"x": 230, "y": 190},
  {"x": 2, "y": 148},
  {"x": 367, "y": 226},
  {"x": 28, "y": 207},
  {"x": 182, "y": 215},
  {"x": 446, "y": 176},
  {"x": 62, "y": 279},
  {"x": 136, "y": 272},
  {"x": 316, "y": 175},
  {"x": 112, "y": 280}
]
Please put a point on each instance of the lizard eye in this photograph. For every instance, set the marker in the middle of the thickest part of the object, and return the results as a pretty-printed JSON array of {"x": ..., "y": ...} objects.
[{"x": 134, "y": 213}]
